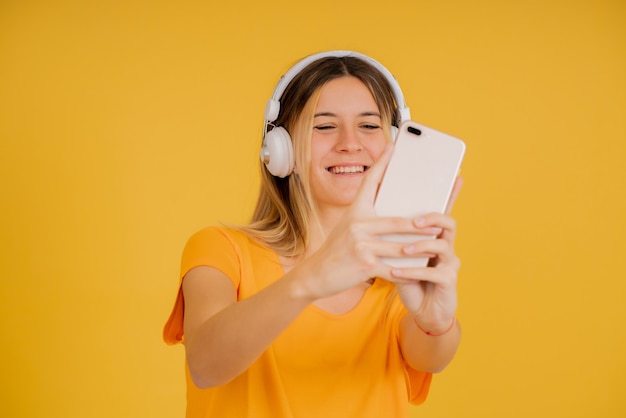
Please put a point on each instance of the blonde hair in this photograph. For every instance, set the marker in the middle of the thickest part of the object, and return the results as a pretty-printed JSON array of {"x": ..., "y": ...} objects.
[{"x": 285, "y": 211}]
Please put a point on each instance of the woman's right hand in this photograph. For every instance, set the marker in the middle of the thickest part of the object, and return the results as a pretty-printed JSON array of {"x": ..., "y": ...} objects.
[{"x": 351, "y": 253}]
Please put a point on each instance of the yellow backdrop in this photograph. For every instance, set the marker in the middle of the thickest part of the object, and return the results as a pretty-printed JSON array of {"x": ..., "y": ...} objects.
[{"x": 127, "y": 125}]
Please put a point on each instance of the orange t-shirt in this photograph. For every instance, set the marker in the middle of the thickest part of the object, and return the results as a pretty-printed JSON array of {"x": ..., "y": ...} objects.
[{"x": 322, "y": 365}]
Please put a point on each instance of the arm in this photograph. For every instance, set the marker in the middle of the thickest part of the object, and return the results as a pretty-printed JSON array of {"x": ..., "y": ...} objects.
[
  {"x": 429, "y": 332},
  {"x": 429, "y": 353},
  {"x": 224, "y": 337}
]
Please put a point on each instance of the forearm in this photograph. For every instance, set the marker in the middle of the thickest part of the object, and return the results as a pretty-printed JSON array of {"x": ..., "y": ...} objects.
[
  {"x": 225, "y": 345},
  {"x": 427, "y": 352}
]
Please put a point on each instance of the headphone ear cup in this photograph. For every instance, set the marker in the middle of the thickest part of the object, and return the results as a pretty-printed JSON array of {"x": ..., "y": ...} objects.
[
  {"x": 278, "y": 152},
  {"x": 394, "y": 133}
]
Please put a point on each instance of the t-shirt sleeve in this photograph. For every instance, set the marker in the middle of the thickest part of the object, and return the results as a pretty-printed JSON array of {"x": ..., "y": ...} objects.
[
  {"x": 418, "y": 384},
  {"x": 209, "y": 247}
]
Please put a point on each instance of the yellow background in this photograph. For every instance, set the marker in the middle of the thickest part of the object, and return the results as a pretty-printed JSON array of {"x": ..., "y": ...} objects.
[{"x": 127, "y": 125}]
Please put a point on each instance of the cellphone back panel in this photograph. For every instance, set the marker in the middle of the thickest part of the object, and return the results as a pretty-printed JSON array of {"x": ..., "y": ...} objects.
[{"x": 418, "y": 180}]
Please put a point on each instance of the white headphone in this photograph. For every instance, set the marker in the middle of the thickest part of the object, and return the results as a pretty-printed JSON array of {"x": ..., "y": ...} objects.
[{"x": 277, "y": 149}]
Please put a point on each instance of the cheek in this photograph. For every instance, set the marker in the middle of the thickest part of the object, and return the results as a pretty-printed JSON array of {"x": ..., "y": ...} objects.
[
  {"x": 319, "y": 149},
  {"x": 375, "y": 148}
]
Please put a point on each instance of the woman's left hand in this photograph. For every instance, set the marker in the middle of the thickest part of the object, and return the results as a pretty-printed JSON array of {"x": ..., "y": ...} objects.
[{"x": 430, "y": 293}]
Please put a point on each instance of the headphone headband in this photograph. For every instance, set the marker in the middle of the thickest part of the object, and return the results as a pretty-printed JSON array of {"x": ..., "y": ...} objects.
[{"x": 272, "y": 109}]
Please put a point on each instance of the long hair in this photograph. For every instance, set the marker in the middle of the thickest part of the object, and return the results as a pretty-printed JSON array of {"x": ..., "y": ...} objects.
[{"x": 285, "y": 211}]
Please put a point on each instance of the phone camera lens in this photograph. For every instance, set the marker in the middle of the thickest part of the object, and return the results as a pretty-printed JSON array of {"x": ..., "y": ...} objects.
[{"x": 414, "y": 131}]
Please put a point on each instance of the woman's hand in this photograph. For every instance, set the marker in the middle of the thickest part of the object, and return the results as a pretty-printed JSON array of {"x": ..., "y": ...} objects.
[
  {"x": 349, "y": 254},
  {"x": 352, "y": 252},
  {"x": 430, "y": 293}
]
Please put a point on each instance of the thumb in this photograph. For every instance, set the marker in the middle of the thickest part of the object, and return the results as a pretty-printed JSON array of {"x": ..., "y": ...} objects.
[{"x": 369, "y": 187}]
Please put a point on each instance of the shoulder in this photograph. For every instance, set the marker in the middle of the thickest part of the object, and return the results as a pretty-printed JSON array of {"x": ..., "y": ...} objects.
[
  {"x": 222, "y": 241},
  {"x": 215, "y": 235}
]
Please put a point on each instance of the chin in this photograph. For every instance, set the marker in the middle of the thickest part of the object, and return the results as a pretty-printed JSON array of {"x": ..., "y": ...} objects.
[{"x": 345, "y": 199}]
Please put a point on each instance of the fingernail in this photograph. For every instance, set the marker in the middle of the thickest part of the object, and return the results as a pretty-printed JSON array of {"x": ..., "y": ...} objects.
[{"x": 420, "y": 222}]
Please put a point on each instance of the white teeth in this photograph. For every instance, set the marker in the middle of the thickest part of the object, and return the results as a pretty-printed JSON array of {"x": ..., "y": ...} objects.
[{"x": 350, "y": 169}]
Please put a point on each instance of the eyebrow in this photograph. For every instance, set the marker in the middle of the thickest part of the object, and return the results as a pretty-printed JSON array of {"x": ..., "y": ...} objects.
[{"x": 330, "y": 114}]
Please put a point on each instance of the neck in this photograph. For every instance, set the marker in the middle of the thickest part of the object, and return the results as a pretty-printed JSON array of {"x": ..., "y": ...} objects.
[{"x": 322, "y": 225}]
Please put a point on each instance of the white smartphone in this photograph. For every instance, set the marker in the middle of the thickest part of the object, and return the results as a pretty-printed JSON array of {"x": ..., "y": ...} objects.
[{"x": 418, "y": 180}]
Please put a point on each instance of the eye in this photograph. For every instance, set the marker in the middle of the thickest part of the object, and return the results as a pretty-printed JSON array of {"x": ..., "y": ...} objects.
[
  {"x": 370, "y": 126},
  {"x": 324, "y": 127}
]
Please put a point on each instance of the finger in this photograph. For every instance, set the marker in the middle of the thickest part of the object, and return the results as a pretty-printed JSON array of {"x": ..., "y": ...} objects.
[
  {"x": 440, "y": 249},
  {"x": 439, "y": 276},
  {"x": 387, "y": 247},
  {"x": 384, "y": 226},
  {"x": 456, "y": 189},
  {"x": 371, "y": 181},
  {"x": 434, "y": 220}
]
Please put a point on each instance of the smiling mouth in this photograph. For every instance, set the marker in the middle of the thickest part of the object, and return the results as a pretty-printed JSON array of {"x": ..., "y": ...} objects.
[{"x": 353, "y": 169}]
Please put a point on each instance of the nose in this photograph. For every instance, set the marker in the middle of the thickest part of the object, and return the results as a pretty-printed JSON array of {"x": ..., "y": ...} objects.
[{"x": 348, "y": 140}]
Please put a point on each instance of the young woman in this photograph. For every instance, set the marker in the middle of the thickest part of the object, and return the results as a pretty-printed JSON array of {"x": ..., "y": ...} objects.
[{"x": 295, "y": 314}]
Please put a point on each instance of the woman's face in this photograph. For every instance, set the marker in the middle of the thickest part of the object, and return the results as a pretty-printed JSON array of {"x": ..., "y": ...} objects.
[{"x": 347, "y": 138}]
